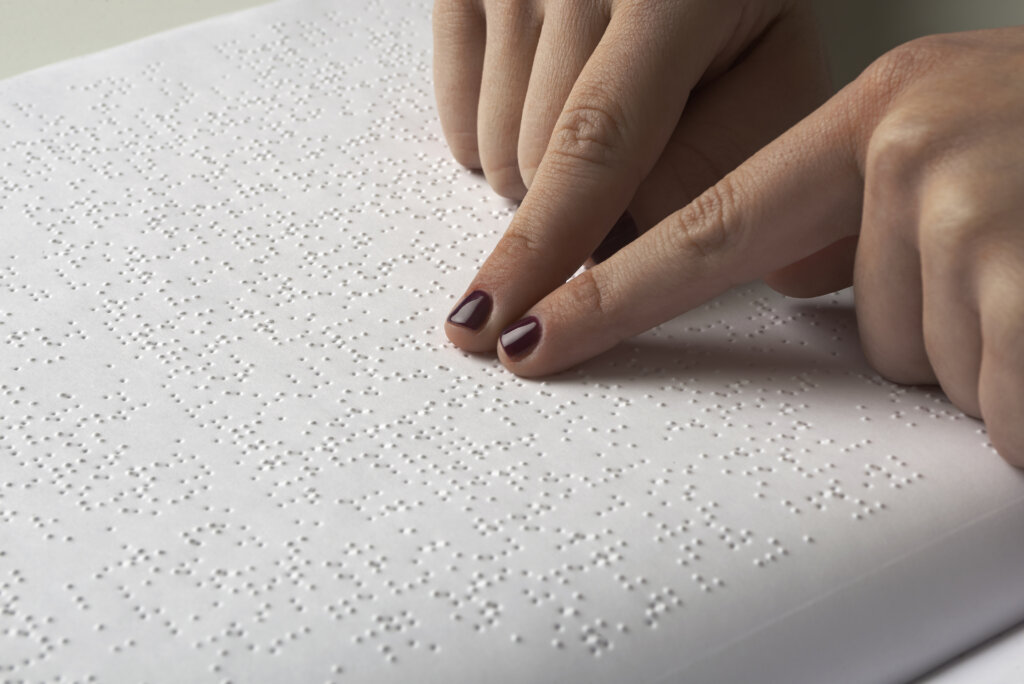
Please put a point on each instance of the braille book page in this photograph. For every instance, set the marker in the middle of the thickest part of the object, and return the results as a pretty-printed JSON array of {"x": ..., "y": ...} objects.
[{"x": 236, "y": 446}]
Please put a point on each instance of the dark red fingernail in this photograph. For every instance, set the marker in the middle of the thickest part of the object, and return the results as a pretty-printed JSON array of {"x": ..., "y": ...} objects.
[
  {"x": 622, "y": 233},
  {"x": 521, "y": 337},
  {"x": 472, "y": 312}
]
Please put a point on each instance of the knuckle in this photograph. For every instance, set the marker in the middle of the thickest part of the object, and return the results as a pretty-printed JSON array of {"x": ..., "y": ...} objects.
[
  {"x": 952, "y": 222},
  {"x": 592, "y": 294},
  {"x": 891, "y": 72},
  {"x": 902, "y": 144},
  {"x": 520, "y": 245},
  {"x": 592, "y": 133},
  {"x": 704, "y": 229}
]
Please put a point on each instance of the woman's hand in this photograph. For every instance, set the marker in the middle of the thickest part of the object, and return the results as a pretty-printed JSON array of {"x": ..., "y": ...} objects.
[
  {"x": 582, "y": 101},
  {"x": 507, "y": 72},
  {"x": 908, "y": 182}
]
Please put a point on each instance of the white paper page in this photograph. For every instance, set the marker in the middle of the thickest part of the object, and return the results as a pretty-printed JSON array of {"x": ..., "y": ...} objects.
[{"x": 236, "y": 446}]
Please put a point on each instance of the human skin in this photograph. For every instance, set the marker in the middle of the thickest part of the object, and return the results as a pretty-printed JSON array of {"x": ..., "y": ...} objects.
[{"x": 906, "y": 183}]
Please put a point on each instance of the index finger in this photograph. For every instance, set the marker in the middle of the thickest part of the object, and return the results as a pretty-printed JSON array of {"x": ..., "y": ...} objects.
[
  {"x": 795, "y": 197},
  {"x": 617, "y": 118}
]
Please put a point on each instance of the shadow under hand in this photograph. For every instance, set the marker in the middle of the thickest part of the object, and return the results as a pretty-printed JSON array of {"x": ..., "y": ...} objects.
[{"x": 817, "y": 336}]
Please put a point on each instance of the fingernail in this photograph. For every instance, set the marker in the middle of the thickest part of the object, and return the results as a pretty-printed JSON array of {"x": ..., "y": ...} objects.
[
  {"x": 472, "y": 312},
  {"x": 521, "y": 337},
  {"x": 622, "y": 233}
]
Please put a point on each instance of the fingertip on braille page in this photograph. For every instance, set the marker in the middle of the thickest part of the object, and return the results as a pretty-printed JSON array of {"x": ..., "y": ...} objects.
[
  {"x": 622, "y": 233},
  {"x": 521, "y": 337},
  {"x": 473, "y": 311}
]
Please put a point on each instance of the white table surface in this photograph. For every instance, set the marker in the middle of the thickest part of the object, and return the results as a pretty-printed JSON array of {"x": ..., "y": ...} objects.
[{"x": 35, "y": 33}]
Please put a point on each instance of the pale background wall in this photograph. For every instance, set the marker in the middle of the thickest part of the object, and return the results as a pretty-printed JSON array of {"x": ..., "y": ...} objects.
[
  {"x": 857, "y": 31},
  {"x": 36, "y": 32}
]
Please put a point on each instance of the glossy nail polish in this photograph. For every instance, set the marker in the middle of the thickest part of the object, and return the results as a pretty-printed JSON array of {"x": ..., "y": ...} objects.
[
  {"x": 472, "y": 312},
  {"x": 521, "y": 337},
  {"x": 622, "y": 233}
]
